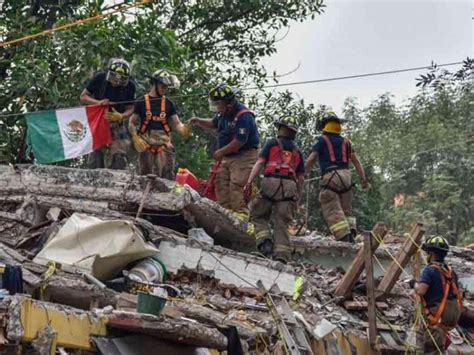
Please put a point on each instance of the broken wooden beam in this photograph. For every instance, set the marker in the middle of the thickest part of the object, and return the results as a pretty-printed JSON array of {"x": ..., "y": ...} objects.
[
  {"x": 344, "y": 288},
  {"x": 175, "y": 330},
  {"x": 369, "y": 277},
  {"x": 396, "y": 267},
  {"x": 362, "y": 305}
]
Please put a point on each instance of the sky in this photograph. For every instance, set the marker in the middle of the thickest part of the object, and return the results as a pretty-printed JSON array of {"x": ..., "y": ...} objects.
[{"x": 364, "y": 36}]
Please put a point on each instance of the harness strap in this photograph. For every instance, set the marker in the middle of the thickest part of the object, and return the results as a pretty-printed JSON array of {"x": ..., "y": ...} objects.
[
  {"x": 156, "y": 150},
  {"x": 237, "y": 117},
  {"x": 332, "y": 156},
  {"x": 447, "y": 282},
  {"x": 241, "y": 112},
  {"x": 272, "y": 199},
  {"x": 345, "y": 143},
  {"x": 149, "y": 115},
  {"x": 338, "y": 191}
]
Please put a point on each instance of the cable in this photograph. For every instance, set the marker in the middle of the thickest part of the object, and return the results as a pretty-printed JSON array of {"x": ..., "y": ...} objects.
[
  {"x": 353, "y": 76},
  {"x": 71, "y": 24},
  {"x": 272, "y": 86}
]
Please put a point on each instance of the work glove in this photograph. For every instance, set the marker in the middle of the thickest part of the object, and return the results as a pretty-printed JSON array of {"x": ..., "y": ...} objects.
[
  {"x": 113, "y": 116},
  {"x": 187, "y": 131},
  {"x": 248, "y": 191},
  {"x": 139, "y": 144}
]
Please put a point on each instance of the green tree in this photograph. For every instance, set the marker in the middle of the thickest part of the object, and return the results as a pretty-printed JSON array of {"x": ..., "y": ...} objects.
[{"x": 203, "y": 42}]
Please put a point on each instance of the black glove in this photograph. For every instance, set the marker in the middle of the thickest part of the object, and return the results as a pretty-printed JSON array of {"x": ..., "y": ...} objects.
[{"x": 412, "y": 283}]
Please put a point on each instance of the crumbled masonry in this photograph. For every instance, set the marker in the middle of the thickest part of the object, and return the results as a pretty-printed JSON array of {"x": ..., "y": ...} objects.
[{"x": 212, "y": 288}]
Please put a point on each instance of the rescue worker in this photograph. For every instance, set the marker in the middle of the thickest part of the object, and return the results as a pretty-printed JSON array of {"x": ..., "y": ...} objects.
[
  {"x": 441, "y": 298},
  {"x": 238, "y": 143},
  {"x": 155, "y": 113},
  {"x": 114, "y": 88},
  {"x": 280, "y": 190},
  {"x": 334, "y": 153}
]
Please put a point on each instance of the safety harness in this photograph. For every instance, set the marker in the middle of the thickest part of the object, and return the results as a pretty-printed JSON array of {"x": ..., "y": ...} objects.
[
  {"x": 283, "y": 168},
  {"x": 345, "y": 147},
  {"x": 448, "y": 283},
  {"x": 161, "y": 118},
  {"x": 283, "y": 164},
  {"x": 236, "y": 119},
  {"x": 330, "y": 147}
]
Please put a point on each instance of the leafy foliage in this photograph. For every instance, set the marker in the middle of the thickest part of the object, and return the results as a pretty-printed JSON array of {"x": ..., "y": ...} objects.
[
  {"x": 422, "y": 154},
  {"x": 419, "y": 154}
]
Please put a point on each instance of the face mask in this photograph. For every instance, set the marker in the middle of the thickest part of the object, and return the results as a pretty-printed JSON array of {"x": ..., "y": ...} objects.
[
  {"x": 218, "y": 106},
  {"x": 117, "y": 79},
  {"x": 170, "y": 81}
]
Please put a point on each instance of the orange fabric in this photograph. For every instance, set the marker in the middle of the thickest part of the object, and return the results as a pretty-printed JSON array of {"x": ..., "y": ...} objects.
[
  {"x": 447, "y": 280},
  {"x": 149, "y": 116},
  {"x": 332, "y": 155}
]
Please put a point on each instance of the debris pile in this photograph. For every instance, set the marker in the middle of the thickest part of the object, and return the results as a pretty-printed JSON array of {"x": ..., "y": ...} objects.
[{"x": 179, "y": 276}]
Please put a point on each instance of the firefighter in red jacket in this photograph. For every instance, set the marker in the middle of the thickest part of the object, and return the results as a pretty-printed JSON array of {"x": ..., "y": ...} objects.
[
  {"x": 280, "y": 190},
  {"x": 335, "y": 152},
  {"x": 441, "y": 298}
]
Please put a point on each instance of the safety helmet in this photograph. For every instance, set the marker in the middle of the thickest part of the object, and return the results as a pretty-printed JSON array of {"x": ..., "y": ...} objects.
[
  {"x": 222, "y": 93},
  {"x": 118, "y": 72},
  {"x": 288, "y": 122},
  {"x": 163, "y": 76},
  {"x": 435, "y": 243},
  {"x": 328, "y": 117}
]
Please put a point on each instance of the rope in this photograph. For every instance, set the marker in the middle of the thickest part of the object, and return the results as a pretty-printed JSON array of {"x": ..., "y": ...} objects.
[
  {"x": 403, "y": 270},
  {"x": 71, "y": 24},
  {"x": 381, "y": 242}
]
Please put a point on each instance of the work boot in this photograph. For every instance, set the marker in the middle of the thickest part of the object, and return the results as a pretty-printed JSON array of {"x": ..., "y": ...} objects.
[
  {"x": 281, "y": 257},
  {"x": 265, "y": 247},
  {"x": 348, "y": 238}
]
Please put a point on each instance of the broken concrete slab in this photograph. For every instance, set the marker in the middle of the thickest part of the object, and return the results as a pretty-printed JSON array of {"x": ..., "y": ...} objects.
[
  {"x": 115, "y": 193},
  {"x": 175, "y": 330},
  {"x": 229, "y": 267}
]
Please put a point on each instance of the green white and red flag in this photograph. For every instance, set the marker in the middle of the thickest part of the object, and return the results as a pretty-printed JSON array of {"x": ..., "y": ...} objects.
[{"x": 67, "y": 133}]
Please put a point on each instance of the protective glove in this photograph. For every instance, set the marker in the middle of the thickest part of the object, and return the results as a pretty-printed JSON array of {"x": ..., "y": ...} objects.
[
  {"x": 113, "y": 116},
  {"x": 248, "y": 191},
  {"x": 187, "y": 131},
  {"x": 139, "y": 144}
]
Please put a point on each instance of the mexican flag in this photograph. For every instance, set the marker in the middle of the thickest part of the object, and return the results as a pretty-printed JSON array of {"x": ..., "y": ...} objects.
[{"x": 68, "y": 133}]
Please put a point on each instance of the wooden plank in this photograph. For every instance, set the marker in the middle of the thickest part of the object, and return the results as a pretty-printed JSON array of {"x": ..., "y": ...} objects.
[
  {"x": 403, "y": 257},
  {"x": 344, "y": 288},
  {"x": 383, "y": 326},
  {"x": 361, "y": 305},
  {"x": 369, "y": 270},
  {"x": 416, "y": 267}
]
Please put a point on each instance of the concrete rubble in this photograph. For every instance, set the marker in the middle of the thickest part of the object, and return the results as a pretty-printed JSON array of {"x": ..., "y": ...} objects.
[{"x": 211, "y": 283}]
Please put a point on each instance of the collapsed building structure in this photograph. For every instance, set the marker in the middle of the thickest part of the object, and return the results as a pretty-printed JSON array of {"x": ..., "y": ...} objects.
[{"x": 76, "y": 234}]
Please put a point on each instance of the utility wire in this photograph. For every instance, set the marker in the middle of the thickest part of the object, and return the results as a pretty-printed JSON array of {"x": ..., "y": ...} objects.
[
  {"x": 265, "y": 86},
  {"x": 72, "y": 24},
  {"x": 353, "y": 76}
]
